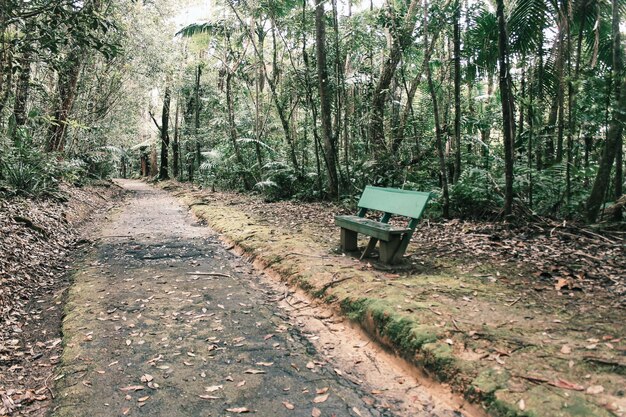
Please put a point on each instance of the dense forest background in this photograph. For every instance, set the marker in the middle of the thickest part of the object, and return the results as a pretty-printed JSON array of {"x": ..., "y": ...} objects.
[{"x": 503, "y": 107}]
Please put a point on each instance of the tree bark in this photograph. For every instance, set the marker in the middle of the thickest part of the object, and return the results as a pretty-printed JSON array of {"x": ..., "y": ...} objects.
[
  {"x": 233, "y": 132},
  {"x": 601, "y": 182},
  {"x": 22, "y": 92},
  {"x": 457, "y": 91},
  {"x": 165, "y": 136},
  {"x": 440, "y": 151},
  {"x": 324, "y": 92},
  {"x": 508, "y": 114},
  {"x": 66, "y": 91},
  {"x": 175, "y": 143},
  {"x": 401, "y": 40}
]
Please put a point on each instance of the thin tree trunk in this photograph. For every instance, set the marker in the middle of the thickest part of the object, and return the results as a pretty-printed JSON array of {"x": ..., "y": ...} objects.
[
  {"x": 66, "y": 90},
  {"x": 165, "y": 136},
  {"x": 22, "y": 92},
  {"x": 175, "y": 143},
  {"x": 408, "y": 107},
  {"x": 457, "y": 91},
  {"x": 401, "y": 40},
  {"x": 570, "y": 107},
  {"x": 280, "y": 108},
  {"x": 324, "y": 92},
  {"x": 438, "y": 132},
  {"x": 196, "y": 112},
  {"x": 508, "y": 114},
  {"x": 601, "y": 183},
  {"x": 233, "y": 131}
]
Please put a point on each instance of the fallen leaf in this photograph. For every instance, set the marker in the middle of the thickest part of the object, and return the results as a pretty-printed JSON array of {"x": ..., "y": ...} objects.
[
  {"x": 561, "y": 383},
  {"x": 288, "y": 405},
  {"x": 310, "y": 365},
  {"x": 253, "y": 371},
  {"x": 315, "y": 412},
  {"x": 213, "y": 388},
  {"x": 146, "y": 378},
  {"x": 241, "y": 384},
  {"x": 595, "y": 389},
  {"x": 265, "y": 363},
  {"x": 209, "y": 397},
  {"x": 269, "y": 336},
  {"x": 566, "y": 350},
  {"x": 238, "y": 410},
  {"x": 356, "y": 411},
  {"x": 521, "y": 404},
  {"x": 143, "y": 399},
  {"x": 125, "y": 411},
  {"x": 322, "y": 391},
  {"x": 560, "y": 283},
  {"x": 320, "y": 398},
  {"x": 132, "y": 388}
]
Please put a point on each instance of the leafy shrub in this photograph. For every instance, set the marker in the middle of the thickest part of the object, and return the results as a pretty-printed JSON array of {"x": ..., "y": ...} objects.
[
  {"x": 281, "y": 182},
  {"x": 26, "y": 170},
  {"x": 474, "y": 194}
]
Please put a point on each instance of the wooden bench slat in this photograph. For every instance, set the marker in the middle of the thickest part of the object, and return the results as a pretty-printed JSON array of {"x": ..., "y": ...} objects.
[
  {"x": 403, "y": 202},
  {"x": 369, "y": 227}
]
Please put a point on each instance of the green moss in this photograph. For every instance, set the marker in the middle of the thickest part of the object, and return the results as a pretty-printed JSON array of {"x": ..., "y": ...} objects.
[
  {"x": 577, "y": 406},
  {"x": 439, "y": 358},
  {"x": 488, "y": 382}
]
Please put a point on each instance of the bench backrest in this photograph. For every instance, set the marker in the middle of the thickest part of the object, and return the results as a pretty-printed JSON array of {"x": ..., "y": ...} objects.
[{"x": 392, "y": 200}]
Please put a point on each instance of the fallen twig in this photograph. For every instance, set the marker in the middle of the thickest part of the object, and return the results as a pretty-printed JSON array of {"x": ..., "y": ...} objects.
[
  {"x": 216, "y": 274},
  {"x": 514, "y": 301}
]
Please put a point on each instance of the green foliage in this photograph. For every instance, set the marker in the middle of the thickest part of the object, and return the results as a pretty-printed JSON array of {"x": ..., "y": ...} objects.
[
  {"x": 25, "y": 170},
  {"x": 281, "y": 182},
  {"x": 475, "y": 194}
]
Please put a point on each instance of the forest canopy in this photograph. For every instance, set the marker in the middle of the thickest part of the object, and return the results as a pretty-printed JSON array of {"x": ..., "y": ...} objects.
[{"x": 496, "y": 107}]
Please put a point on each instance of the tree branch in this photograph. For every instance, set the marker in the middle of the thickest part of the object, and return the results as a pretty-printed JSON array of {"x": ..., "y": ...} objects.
[{"x": 154, "y": 120}]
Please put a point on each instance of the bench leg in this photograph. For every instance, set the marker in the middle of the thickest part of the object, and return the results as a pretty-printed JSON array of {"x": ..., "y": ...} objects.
[
  {"x": 348, "y": 240},
  {"x": 370, "y": 247},
  {"x": 388, "y": 250}
]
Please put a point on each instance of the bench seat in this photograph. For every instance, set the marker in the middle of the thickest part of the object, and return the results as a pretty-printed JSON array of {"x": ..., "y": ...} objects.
[{"x": 382, "y": 231}]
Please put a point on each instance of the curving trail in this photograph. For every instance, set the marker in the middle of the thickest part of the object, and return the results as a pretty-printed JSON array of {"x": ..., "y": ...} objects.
[{"x": 162, "y": 320}]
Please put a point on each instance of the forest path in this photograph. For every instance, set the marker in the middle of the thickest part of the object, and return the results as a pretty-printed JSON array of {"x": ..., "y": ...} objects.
[{"x": 144, "y": 335}]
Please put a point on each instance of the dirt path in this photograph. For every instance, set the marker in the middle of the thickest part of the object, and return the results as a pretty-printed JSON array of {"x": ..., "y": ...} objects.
[{"x": 162, "y": 320}]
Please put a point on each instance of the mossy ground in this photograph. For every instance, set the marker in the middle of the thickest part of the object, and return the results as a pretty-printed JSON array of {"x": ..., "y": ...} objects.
[{"x": 487, "y": 326}]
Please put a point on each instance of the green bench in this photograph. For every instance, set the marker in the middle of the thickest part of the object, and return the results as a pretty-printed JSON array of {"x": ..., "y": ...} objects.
[{"x": 393, "y": 239}]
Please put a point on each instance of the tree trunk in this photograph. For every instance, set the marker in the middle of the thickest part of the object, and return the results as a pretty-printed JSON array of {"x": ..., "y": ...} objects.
[
  {"x": 21, "y": 95},
  {"x": 175, "y": 144},
  {"x": 66, "y": 90},
  {"x": 508, "y": 114},
  {"x": 601, "y": 183},
  {"x": 324, "y": 92},
  {"x": 233, "y": 131},
  {"x": 401, "y": 40},
  {"x": 165, "y": 136},
  {"x": 196, "y": 110},
  {"x": 457, "y": 91}
]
